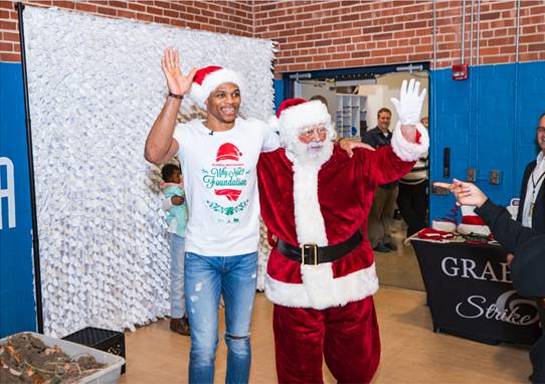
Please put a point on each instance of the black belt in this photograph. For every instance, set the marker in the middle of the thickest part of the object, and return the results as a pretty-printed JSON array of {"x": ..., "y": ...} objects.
[{"x": 312, "y": 254}]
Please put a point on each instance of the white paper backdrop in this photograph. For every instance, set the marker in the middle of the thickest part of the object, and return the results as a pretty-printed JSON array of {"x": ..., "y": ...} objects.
[{"x": 95, "y": 87}]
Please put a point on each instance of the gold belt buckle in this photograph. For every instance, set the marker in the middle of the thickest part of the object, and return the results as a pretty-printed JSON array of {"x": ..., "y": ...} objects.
[{"x": 312, "y": 246}]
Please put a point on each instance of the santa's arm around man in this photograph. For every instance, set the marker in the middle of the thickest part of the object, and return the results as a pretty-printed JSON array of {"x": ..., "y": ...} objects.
[{"x": 321, "y": 276}]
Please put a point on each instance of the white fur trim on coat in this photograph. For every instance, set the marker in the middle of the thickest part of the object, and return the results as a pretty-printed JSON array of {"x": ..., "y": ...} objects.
[
  {"x": 309, "y": 222},
  {"x": 199, "y": 93},
  {"x": 320, "y": 290},
  {"x": 406, "y": 150}
]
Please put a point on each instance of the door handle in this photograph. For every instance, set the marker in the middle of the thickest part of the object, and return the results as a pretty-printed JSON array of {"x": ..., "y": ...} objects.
[{"x": 446, "y": 162}]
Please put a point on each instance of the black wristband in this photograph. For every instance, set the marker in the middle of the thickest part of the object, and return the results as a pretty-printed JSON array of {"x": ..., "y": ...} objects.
[{"x": 179, "y": 97}]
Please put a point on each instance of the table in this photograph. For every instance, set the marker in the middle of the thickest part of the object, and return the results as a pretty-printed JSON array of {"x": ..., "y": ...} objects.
[{"x": 470, "y": 293}]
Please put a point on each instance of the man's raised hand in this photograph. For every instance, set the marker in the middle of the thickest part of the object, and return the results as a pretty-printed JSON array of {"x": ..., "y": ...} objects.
[{"x": 176, "y": 81}]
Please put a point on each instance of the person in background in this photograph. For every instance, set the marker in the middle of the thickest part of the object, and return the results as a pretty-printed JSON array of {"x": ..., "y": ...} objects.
[
  {"x": 412, "y": 199},
  {"x": 381, "y": 217},
  {"x": 425, "y": 122},
  {"x": 320, "y": 98},
  {"x": 527, "y": 255},
  {"x": 531, "y": 211},
  {"x": 532, "y": 196},
  {"x": 176, "y": 217}
]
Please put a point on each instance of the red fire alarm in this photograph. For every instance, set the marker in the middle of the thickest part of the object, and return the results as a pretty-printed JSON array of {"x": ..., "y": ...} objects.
[{"x": 460, "y": 72}]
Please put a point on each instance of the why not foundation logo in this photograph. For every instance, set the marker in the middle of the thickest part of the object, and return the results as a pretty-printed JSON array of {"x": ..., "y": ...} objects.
[{"x": 226, "y": 178}]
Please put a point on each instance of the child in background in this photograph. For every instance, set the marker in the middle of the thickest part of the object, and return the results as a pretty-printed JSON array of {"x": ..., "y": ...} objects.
[{"x": 176, "y": 216}]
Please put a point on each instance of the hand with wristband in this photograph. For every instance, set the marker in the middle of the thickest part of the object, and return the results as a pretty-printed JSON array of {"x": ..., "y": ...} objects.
[{"x": 178, "y": 83}]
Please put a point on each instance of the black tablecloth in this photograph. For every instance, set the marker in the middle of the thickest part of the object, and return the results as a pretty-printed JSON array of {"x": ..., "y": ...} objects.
[{"x": 470, "y": 293}]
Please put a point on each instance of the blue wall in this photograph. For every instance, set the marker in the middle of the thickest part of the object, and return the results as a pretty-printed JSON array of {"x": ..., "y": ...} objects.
[
  {"x": 489, "y": 122},
  {"x": 17, "y": 303},
  {"x": 278, "y": 93}
]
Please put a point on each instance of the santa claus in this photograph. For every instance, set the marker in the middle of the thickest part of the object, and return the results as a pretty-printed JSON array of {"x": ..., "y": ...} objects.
[{"x": 321, "y": 275}]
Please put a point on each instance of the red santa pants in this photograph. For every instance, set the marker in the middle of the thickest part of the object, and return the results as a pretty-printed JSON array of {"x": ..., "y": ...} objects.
[{"x": 346, "y": 336}]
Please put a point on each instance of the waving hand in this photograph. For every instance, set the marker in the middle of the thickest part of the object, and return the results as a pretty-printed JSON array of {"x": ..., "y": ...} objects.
[
  {"x": 177, "y": 82},
  {"x": 410, "y": 102}
]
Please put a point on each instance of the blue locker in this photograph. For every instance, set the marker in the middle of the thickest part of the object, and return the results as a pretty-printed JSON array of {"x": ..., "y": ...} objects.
[{"x": 488, "y": 122}]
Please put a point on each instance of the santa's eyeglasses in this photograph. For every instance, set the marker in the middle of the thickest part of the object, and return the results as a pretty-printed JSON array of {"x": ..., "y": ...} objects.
[{"x": 310, "y": 132}]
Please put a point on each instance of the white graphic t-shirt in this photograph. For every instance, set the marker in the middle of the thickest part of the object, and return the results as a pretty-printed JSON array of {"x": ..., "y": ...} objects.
[{"x": 220, "y": 183}]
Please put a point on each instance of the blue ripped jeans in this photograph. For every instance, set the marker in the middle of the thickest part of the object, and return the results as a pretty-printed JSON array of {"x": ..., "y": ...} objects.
[{"x": 206, "y": 279}]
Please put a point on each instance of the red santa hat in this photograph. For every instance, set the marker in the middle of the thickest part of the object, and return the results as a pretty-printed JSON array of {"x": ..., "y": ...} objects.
[
  {"x": 209, "y": 78},
  {"x": 472, "y": 223},
  {"x": 297, "y": 113}
]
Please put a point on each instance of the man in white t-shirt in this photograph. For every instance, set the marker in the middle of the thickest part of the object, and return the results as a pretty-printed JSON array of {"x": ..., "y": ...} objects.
[{"x": 219, "y": 157}]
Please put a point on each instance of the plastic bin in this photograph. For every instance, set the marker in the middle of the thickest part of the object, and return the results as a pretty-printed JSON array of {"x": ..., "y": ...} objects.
[
  {"x": 106, "y": 375},
  {"x": 101, "y": 339}
]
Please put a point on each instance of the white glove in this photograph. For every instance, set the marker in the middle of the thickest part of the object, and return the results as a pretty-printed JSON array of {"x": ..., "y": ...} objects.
[{"x": 409, "y": 105}]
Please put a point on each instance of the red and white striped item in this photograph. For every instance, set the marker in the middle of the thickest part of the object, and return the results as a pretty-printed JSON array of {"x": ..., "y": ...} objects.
[{"x": 472, "y": 223}]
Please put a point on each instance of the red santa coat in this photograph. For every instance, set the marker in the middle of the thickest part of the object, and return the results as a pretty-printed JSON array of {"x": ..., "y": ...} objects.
[{"x": 325, "y": 206}]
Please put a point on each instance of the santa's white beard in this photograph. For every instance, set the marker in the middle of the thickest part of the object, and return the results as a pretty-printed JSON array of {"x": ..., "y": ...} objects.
[
  {"x": 307, "y": 160},
  {"x": 314, "y": 153}
]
